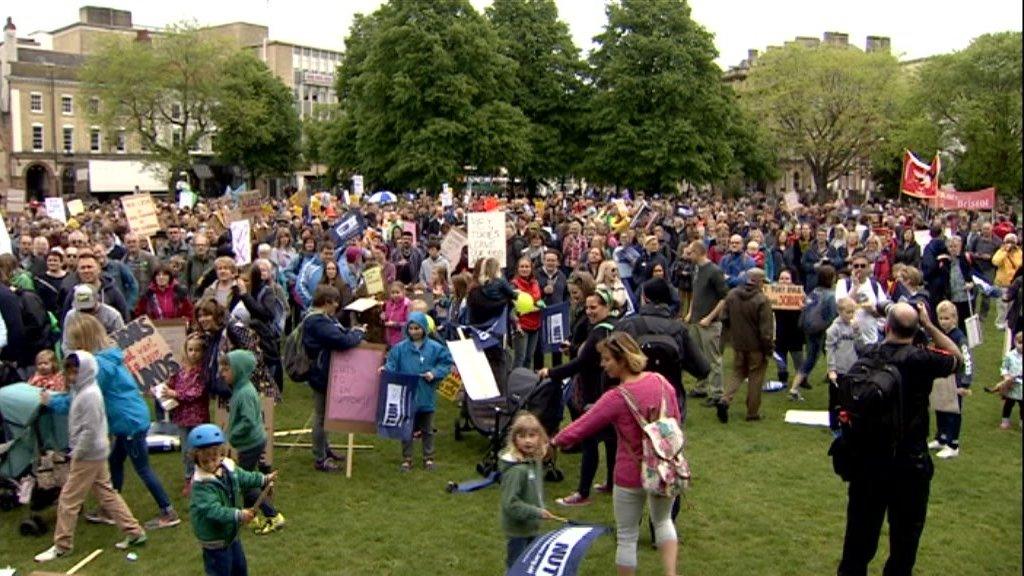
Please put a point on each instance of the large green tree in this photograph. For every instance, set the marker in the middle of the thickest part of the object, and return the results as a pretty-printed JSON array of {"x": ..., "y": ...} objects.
[
  {"x": 425, "y": 92},
  {"x": 660, "y": 113},
  {"x": 548, "y": 84},
  {"x": 257, "y": 124},
  {"x": 828, "y": 106}
]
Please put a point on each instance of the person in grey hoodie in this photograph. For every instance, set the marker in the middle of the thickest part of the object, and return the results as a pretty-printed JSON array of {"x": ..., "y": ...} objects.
[
  {"x": 842, "y": 341},
  {"x": 87, "y": 434}
]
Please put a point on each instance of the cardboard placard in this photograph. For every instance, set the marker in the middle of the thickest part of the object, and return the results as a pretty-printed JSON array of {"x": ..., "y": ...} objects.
[
  {"x": 357, "y": 185},
  {"x": 352, "y": 389},
  {"x": 174, "y": 332},
  {"x": 140, "y": 211},
  {"x": 76, "y": 207},
  {"x": 450, "y": 386},
  {"x": 55, "y": 209},
  {"x": 785, "y": 296},
  {"x": 943, "y": 397},
  {"x": 146, "y": 354},
  {"x": 241, "y": 241},
  {"x": 451, "y": 247},
  {"x": 15, "y": 201},
  {"x": 374, "y": 280},
  {"x": 250, "y": 204},
  {"x": 486, "y": 236},
  {"x": 792, "y": 200},
  {"x": 299, "y": 199}
]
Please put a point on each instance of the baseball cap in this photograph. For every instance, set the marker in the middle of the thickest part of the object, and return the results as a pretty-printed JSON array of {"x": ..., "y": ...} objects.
[{"x": 84, "y": 298}]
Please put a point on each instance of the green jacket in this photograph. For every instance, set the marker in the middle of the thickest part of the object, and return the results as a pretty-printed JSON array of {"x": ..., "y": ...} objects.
[
  {"x": 522, "y": 496},
  {"x": 245, "y": 413},
  {"x": 214, "y": 507}
]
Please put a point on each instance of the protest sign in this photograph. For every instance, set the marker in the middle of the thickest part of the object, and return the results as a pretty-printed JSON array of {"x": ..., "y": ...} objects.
[
  {"x": 792, "y": 200},
  {"x": 15, "y": 201},
  {"x": 76, "y": 207},
  {"x": 476, "y": 370},
  {"x": 357, "y": 185},
  {"x": 174, "y": 333},
  {"x": 486, "y": 236},
  {"x": 140, "y": 211},
  {"x": 146, "y": 353},
  {"x": 350, "y": 226},
  {"x": 353, "y": 389},
  {"x": 187, "y": 199},
  {"x": 785, "y": 296},
  {"x": 922, "y": 237},
  {"x": 241, "y": 241},
  {"x": 374, "y": 280},
  {"x": 450, "y": 386},
  {"x": 55, "y": 209},
  {"x": 299, "y": 199},
  {"x": 5, "y": 239},
  {"x": 555, "y": 326},
  {"x": 452, "y": 245},
  {"x": 558, "y": 552},
  {"x": 446, "y": 196},
  {"x": 250, "y": 203},
  {"x": 396, "y": 407}
]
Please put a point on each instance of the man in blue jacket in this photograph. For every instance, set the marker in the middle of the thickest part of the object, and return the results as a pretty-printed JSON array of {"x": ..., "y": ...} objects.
[{"x": 735, "y": 264}]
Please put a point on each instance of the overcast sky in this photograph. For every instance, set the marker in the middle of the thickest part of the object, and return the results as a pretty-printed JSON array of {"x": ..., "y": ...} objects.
[{"x": 917, "y": 29}]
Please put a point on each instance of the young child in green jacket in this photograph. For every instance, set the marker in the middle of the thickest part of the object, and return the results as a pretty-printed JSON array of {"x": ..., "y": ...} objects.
[
  {"x": 216, "y": 518},
  {"x": 245, "y": 429},
  {"x": 522, "y": 484}
]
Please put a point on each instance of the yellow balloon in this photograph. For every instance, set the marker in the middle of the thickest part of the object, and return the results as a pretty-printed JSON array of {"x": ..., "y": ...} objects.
[
  {"x": 525, "y": 304},
  {"x": 431, "y": 325}
]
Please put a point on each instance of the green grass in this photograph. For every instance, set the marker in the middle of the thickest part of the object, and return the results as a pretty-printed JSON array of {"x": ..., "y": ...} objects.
[{"x": 764, "y": 501}]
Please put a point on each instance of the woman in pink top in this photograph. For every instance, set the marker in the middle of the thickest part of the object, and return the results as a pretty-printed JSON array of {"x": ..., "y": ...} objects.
[{"x": 621, "y": 358}]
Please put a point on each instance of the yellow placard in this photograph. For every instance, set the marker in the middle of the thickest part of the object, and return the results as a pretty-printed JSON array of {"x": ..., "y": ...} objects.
[
  {"x": 449, "y": 387},
  {"x": 374, "y": 280},
  {"x": 76, "y": 207}
]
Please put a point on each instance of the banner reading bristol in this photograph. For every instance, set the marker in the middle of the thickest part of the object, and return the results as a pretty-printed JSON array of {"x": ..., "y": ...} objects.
[{"x": 556, "y": 553}]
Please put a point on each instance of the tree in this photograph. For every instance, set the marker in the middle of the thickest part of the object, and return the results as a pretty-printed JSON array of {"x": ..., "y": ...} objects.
[
  {"x": 424, "y": 92},
  {"x": 826, "y": 105},
  {"x": 163, "y": 90},
  {"x": 660, "y": 113},
  {"x": 257, "y": 124},
  {"x": 548, "y": 84}
]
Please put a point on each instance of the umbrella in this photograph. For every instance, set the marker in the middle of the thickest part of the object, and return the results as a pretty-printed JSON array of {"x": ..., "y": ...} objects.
[{"x": 383, "y": 197}]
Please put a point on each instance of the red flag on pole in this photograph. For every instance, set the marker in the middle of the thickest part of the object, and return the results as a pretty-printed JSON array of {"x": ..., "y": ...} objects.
[{"x": 920, "y": 180}]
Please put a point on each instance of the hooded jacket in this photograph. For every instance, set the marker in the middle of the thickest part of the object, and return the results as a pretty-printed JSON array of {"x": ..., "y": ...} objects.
[
  {"x": 322, "y": 335},
  {"x": 428, "y": 355},
  {"x": 126, "y": 411},
  {"x": 245, "y": 414},
  {"x": 87, "y": 419},
  {"x": 214, "y": 506},
  {"x": 749, "y": 315},
  {"x": 522, "y": 495}
]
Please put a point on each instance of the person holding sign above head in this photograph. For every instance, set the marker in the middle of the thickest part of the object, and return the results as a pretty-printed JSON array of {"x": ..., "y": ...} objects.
[
  {"x": 321, "y": 335},
  {"x": 430, "y": 360}
]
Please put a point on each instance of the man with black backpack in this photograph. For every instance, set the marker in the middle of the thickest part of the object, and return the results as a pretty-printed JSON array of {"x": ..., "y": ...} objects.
[{"x": 882, "y": 449}]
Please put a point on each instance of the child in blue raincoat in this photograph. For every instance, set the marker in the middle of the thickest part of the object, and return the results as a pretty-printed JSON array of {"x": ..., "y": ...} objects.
[{"x": 419, "y": 354}]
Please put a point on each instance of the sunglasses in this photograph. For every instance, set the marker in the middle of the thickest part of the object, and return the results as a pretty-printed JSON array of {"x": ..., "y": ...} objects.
[{"x": 860, "y": 265}]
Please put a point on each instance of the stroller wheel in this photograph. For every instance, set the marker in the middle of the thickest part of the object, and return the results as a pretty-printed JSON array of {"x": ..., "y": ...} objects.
[{"x": 33, "y": 526}]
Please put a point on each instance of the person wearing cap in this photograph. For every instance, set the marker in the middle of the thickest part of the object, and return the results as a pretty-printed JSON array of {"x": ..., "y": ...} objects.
[
  {"x": 748, "y": 314},
  {"x": 84, "y": 301},
  {"x": 1006, "y": 260}
]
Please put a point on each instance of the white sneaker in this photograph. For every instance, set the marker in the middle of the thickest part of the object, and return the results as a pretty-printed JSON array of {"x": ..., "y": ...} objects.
[
  {"x": 946, "y": 453},
  {"x": 935, "y": 445},
  {"x": 51, "y": 553}
]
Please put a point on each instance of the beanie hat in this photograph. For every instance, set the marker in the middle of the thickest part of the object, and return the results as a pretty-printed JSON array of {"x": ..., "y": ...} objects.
[
  {"x": 657, "y": 291},
  {"x": 352, "y": 253}
]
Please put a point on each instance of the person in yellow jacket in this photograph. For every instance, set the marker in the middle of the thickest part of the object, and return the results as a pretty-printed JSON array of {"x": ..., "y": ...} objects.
[{"x": 1006, "y": 260}]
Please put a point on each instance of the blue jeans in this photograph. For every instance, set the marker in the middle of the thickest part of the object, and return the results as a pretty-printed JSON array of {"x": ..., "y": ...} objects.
[
  {"x": 228, "y": 561},
  {"x": 947, "y": 425},
  {"x": 525, "y": 346},
  {"x": 135, "y": 447},
  {"x": 815, "y": 345},
  {"x": 516, "y": 546}
]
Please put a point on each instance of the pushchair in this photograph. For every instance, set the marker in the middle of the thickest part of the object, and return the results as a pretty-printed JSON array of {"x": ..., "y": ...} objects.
[{"x": 33, "y": 454}]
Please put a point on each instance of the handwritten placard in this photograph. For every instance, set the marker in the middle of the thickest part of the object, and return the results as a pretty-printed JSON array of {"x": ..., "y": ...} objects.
[
  {"x": 486, "y": 236},
  {"x": 357, "y": 185},
  {"x": 174, "y": 332},
  {"x": 15, "y": 201},
  {"x": 140, "y": 211},
  {"x": 241, "y": 241},
  {"x": 353, "y": 388},
  {"x": 146, "y": 354},
  {"x": 785, "y": 296},
  {"x": 250, "y": 204},
  {"x": 55, "y": 209},
  {"x": 374, "y": 280},
  {"x": 452, "y": 245}
]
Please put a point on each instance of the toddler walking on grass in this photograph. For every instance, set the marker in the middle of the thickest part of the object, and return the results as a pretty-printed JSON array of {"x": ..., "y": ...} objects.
[
  {"x": 1010, "y": 386},
  {"x": 522, "y": 484}
]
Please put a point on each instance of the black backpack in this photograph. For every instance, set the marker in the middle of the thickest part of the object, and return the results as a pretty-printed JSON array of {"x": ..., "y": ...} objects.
[
  {"x": 817, "y": 314},
  {"x": 35, "y": 321},
  {"x": 869, "y": 404}
]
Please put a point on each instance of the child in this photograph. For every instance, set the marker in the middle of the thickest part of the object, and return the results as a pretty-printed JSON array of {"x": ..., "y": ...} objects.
[
  {"x": 245, "y": 429},
  {"x": 420, "y": 305},
  {"x": 396, "y": 313},
  {"x": 841, "y": 341},
  {"x": 1010, "y": 387},
  {"x": 90, "y": 446},
  {"x": 426, "y": 357},
  {"x": 522, "y": 484},
  {"x": 213, "y": 506},
  {"x": 947, "y": 424},
  {"x": 188, "y": 387},
  {"x": 47, "y": 376},
  {"x": 441, "y": 291}
]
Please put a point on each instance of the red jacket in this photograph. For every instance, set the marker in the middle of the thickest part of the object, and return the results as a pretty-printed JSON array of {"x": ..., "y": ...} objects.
[
  {"x": 164, "y": 303},
  {"x": 529, "y": 322}
]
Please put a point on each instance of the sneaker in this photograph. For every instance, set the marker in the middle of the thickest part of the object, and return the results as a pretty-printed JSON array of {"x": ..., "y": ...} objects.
[
  {"x": 326, "y": 465},
  {"x": 272, "y": 524},
  {"x": 935, "y": 445},
  {"x": 257, "y": 524},
  {"x": 795, "y": 396},
  {"x": 603, "y": 488},
  {"x": 722, "y": 411},
  {"x": 168, "y": 520},
  {"x": 332, "y": 455},
  {"x": 99, "y": 517},
  {"x": 948, "y": 452},
  {"x": 52, "y": 553},
  {"x": 131, "y": 541},
  {"x": 1005, "y": 425},
  {"x": 428, "y": 464},
  {"x": 574, "y": 499},
  {"x": 406, "y": 466}
]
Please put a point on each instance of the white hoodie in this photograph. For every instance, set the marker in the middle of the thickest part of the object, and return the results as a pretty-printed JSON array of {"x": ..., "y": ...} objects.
[{"x": 87, "y": 418}]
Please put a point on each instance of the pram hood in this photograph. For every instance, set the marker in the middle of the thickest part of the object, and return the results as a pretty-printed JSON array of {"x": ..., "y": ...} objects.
[{"x": 19, "y": 404}]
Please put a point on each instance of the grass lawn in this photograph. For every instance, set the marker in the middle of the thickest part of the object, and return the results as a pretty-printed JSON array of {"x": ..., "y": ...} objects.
[{"x": 764, "y": 501}]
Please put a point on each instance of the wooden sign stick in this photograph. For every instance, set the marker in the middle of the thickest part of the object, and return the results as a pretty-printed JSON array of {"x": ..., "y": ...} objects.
[
  {"x": 85, "y": 561},
  {"x": 263, "y": 496},
  {"x": 349, "y": 453}
]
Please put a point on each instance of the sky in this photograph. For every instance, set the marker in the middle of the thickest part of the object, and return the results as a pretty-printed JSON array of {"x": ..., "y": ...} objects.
[{"x": 917, "y": 29}]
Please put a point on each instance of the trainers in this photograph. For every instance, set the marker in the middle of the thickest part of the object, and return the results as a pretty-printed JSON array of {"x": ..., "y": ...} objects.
[
  {"x": 271, "y": 524},
  {"x": 257, "y": 524},
  {"x": 131, "y": 541},
  {"x": 428, "y": 464},
  {"x": 326, "y": 465},
  {"x": 1005, "y": 425},
  {"x": 406, "y": 466},
  {"x": 948, "y": 452},
  {"x": 168, "y": 520},
  {"x": 935, "y": 445},
  {"x": 574, "y": 499},
  {"x": 52, "y": 553},
  {"x": 99, "y": 517},
  {"x": 332, "y": 455},
  {"x": 722, "y": 411},
  {"x": 795, "y": 396},
  {"x": 603, "y": 488}
]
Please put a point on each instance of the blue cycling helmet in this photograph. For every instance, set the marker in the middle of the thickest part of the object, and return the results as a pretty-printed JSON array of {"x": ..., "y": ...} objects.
[{"x": 205, "y": 435}]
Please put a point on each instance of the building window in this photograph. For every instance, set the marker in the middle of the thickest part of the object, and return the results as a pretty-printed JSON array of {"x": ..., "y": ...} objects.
[
  {"x": 94, "y": 140},
  {"x": 94, "y": 105},
  {"x": 36, "y": 101},
  {"x": 176, "y": 138},
  {"x": 37, "y": 137},
  {"x": 69, "y": 139},
  {"x": 120, "y": 140},
  {"x": 67, "y": 105},
  {"x": 175, "y": 111}
]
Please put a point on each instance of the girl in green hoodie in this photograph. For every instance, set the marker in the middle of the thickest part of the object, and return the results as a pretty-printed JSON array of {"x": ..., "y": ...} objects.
[{"x": 522, "y": 484}]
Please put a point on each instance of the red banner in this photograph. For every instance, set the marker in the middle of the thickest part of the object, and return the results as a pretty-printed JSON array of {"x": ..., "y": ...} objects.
[
  {"x": 920, "y": 180},
  {"x": 984, "y": 199}
]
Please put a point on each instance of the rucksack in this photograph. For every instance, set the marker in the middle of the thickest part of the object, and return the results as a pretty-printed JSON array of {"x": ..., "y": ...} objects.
[
  {"x": 869, "y": 407},
  {"x": 664, "y": 470},
  {"x": 294, "y": 358},
  {"x": 815, "y": 317},
  {"x": 38, "y": 328},
  {"x": 663, "y": 354}
]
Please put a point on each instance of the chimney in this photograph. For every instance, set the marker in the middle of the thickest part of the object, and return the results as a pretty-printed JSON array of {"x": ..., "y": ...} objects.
[
  {"x": 838, "y": 39},
  {"x": 877, "y": 44},
  {"x": 7, "y": 56},
  {"x": 752, "y": 56}
]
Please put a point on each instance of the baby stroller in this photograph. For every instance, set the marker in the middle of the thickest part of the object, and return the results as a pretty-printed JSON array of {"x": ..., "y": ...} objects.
[{"x": 33, "y": 454}]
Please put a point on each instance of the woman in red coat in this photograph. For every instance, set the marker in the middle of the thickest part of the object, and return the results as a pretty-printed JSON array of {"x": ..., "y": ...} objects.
[
  {"x": 164, "y": 299},
  {"x": 529, "y": 323}
]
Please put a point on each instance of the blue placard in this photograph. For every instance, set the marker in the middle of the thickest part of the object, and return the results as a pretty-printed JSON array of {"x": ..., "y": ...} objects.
[
  {"x": 396, "y": 405},
  {"x": 351, "y": 226},
  {"x": 554, "y": 326}
]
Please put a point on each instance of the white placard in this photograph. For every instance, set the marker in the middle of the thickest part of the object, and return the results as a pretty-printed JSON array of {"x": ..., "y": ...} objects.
[
  {"x": 186, "y": 199},
  {"x": 241, "y": 241},
  {"x": 55, "y": 209},
  {"x": 362, "y": 304},
  {"x": 76, "y": 207},
  {"x": 807, "y": 417},
  {"x": 5, "y": 239},
  {"x": 451, "y": 246},
  {"x": 446, "y": 196},
  {"x": 923, "y": 237},
  {"x": 476, "y": 373},
  {"x": 486, "y": 236},
  {"x": 357, "y": 184}
]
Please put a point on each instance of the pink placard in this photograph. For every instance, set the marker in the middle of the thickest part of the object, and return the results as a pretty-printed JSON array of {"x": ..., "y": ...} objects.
[{"x": 353, "y": 386}]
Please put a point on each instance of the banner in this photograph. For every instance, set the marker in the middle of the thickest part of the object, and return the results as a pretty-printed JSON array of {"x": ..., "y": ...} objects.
[
  {"x": 146, "y": 354},
  {"x": 557, "y": 553},
  {"x": 486, "y": 236},
  {"x": 397, "y": 406},
  {"x": 451, "y": 247},
  {"x": 241, "y": 241},
  {"x": 554, "y": 326},
  {"x": 55, "y": 209},
  {"x": 984, "y": 199},
  {"x": 353, "y": 388},
  {"x": 140, "y": 211},
  {"x": 351, "y": 226},
  {"x": 920, "y": 180},
  {"x": 785, "y": 296}
]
